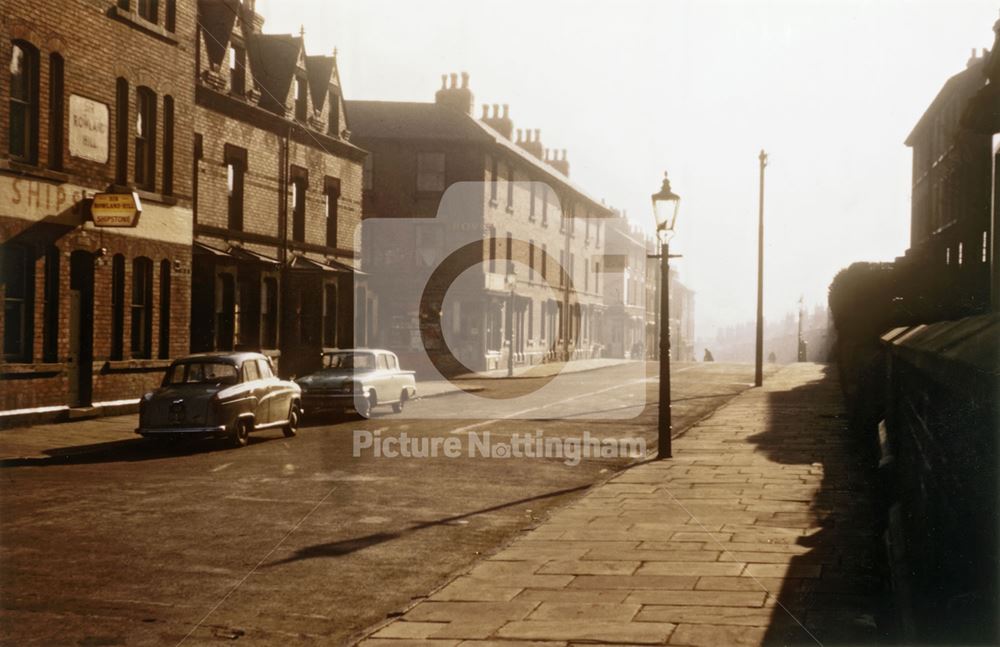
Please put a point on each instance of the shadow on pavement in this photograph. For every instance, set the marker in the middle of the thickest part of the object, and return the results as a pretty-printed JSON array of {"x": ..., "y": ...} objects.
[
  {"x": 847, "y": 603},
  {"x": 347, "y": 546}
]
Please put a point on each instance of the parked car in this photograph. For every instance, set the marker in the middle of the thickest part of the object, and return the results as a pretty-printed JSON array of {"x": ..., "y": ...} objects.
[
  {"x": 220, "y": 394},
  {"x": 358, "y": 378}
]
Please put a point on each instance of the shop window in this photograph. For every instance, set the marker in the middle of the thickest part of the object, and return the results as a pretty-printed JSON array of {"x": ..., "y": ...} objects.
[
  {"x": 430, "y": 172},
  {"x": 18, "y": 277},
  {"x": 121, "y": 131},
  {"x": 56, "y": 111},
  {"x": 117, "y": 307},
  {"x": 168, "y": 145},
  {"x": 225, "y": 309},
  {"x": 142, "y": 306},
  {"x": 331, "y": 191},
  {"x": 22, "y": 132},
  {"x": 145, "y": 139},
  {"x": 50, "y": 328},
  {"x": 330, "y": 316},
  {"x": 164, "y": 346}
]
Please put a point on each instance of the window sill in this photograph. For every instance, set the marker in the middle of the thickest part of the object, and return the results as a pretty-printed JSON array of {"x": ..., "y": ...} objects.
[
  {"x": 494, "y": 203},
  {"x": 135, "y": 21},
  {"x": 16, "y": 369},
  {"x": 510, "y": 208},
  {"x": 144, "y": 195},
  {"x": 131, "y": 365},
  {"x": 33, "y": 170}
]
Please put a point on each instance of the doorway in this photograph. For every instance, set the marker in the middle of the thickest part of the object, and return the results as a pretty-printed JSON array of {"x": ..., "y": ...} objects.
[{"x": 81, "y": 331}]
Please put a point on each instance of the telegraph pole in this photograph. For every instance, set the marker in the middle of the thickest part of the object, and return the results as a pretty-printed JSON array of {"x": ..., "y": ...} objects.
[{"x": 759, "y": 374}]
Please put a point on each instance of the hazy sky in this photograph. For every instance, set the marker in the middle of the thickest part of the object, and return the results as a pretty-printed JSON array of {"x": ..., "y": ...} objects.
[{"x": 697, "y": 87}]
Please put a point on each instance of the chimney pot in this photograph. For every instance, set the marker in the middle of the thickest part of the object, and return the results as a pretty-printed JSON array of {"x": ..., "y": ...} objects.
[
  {"x": 496, "y": 111},
  {"x": 444, "y": 81},
  {"x": 506, "y": 111},
  {"x": 486, "y": 111},
  {"x": 465, "y": 79},
  {"x": 518, "y": 135},
  {"x": 546, "y": 155},
  {"x": 538, "y": 134},
  {"x": 454, "y": 80},
  {"x": 564, "y": 154}
]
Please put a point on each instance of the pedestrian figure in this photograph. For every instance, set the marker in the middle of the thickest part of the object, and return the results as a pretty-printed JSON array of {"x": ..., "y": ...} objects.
[
  {"x": 771, "y": 358},
  {"x": 708, "y": 356}
]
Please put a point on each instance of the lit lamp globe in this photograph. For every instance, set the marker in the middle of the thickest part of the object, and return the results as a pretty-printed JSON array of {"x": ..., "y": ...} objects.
[{"x": 666, "y": 203}]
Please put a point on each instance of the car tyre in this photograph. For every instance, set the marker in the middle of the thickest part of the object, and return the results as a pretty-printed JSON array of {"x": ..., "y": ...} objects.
[
  {"x": 398, "y": 406},
  {"x": 365, "y": 404},
  {"x": 292, "y": 427},
  {"x": 241, "y": 435}
]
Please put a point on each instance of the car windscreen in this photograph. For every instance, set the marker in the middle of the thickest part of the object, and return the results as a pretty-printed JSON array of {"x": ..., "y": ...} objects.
[
  {"x": 356, "y": 361},
  {"x": 201, "y": 373}
]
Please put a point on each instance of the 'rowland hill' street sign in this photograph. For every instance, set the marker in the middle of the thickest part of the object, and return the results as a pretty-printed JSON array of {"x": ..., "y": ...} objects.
[{"x": 116, "y": 209}]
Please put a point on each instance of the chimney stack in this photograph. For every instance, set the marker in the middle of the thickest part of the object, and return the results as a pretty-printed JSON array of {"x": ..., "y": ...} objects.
[
  {"x": 560, "y": 164},
  {"x": 500, "y": 121},
  {"x": 453, "y": 96},
  {"x": 533, "y": 145}
]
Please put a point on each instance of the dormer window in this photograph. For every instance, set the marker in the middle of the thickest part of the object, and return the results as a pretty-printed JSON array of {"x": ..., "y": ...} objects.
[
  {"x": 238, "y": 71},
  {"x": 301, "y": 99}
]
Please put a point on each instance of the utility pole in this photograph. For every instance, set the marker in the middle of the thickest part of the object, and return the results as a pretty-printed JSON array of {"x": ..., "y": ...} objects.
[{"x": 759, "y": 374}]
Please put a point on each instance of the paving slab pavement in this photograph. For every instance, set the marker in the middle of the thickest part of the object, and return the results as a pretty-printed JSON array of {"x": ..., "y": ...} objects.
[{"x": 759, "y": 531}]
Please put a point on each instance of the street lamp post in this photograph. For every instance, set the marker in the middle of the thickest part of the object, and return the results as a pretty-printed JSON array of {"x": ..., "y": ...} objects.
[
  {"x": 511, "y": 285},
  {"x": 759, "y": 366},
  {"x": 666, "y": 204}
]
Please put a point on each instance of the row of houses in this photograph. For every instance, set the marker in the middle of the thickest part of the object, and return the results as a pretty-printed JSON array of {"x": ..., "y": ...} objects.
[{"x": 254, "y": 175}]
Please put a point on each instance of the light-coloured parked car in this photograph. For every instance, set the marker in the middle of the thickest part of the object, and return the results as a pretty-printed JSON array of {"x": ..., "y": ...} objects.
[
  {"x": 220, "y": 394},
  {"x": 358, "y": 378}
]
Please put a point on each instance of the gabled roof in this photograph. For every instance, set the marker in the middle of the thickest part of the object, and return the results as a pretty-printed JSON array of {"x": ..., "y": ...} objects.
[
  {"x": 274, "y": 58},
  {"x": 968, "y": 81},
  {"x": 217, "y": 18},
  {"x": 320, "y": 72},
  {"x": 434, "y": 122}
]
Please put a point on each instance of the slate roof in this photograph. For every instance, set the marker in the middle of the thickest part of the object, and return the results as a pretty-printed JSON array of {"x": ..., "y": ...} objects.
[
  {"x": 431, "y": 121},
  {"x": 273, "y": 59}
]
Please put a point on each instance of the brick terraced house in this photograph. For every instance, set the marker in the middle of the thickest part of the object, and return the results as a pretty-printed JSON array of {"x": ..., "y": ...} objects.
[
  {"x": 525, "y": 211},
  {"x": 277, "y": 194},
  {"x": 96, "y": 97}
]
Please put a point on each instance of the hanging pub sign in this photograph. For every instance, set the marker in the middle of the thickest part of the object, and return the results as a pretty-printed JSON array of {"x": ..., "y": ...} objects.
[{"x": 116, "y": 209}]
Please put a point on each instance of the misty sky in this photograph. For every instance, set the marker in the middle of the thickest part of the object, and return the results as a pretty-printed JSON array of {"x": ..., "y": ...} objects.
[{"x": 697, "y": 87}]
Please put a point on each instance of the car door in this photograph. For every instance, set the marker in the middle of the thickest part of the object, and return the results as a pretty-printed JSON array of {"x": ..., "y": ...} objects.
[
  {"x": 277, "y": 392},
  {"x": 258, "y": 391}
]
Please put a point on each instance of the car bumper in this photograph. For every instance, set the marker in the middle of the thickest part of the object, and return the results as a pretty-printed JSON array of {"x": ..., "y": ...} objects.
[
  {"x": 317, "y": 401},
  {"x": 162, "y": 431}
]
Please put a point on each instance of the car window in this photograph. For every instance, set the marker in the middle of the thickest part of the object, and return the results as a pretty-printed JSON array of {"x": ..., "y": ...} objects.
[
  {"x": 201, "y": 373},
  {"x": 383, "y": 363},
  {"x": 349, "y": 360},
  {"x": 393, "y": 362},
  {"x": 265, "y": 368},
  {"x": 250, "y": 371}
]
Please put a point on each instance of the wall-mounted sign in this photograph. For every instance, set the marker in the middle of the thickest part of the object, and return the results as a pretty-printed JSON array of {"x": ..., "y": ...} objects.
[
  {"x": 116, "y": 209},
  {"x": 88, "y": 129}
]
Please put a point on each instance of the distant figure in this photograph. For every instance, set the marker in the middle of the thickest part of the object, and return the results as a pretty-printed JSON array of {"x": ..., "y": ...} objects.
[
  {"x": 708, "y": 356},
  {"x": 771, "y": 358}
]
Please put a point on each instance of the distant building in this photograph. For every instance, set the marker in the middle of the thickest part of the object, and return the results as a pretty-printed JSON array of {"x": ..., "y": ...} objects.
[
  {"x": 526, "y": 211},
  {"x": 682, "y": 333},
  {"x": 950, "y": 224},
  {"x": 277, "y": 195},
  {"x": 624, "y": 289}
]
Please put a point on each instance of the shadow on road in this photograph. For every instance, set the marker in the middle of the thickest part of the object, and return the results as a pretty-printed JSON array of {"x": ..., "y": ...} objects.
[
  {"x": 348, "y": 546},
  {"x": 847, "y": 602},
  {"x": 126, "y": 451}
]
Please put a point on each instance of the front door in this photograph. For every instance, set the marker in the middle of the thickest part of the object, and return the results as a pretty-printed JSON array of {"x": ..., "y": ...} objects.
[{"x": 81, "y": 332}]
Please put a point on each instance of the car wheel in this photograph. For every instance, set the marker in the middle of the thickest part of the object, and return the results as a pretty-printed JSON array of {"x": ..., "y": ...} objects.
[
  {"x": 364, "y": 405},
  {"x": 241, "y": 435},
  {"x": 292, "y": 427},
  {"x": 398, "y": 406}
]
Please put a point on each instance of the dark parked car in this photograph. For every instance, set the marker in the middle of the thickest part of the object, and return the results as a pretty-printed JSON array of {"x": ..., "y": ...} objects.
[
  {"x": 359, "y": 378},
  {"x": 220, "y": 394}
]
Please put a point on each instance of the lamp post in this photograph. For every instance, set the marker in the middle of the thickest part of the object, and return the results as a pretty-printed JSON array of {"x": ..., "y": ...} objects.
[
  {"x": 759, "y": 365},
  {"x": 511, "y": 281},
  {"x": 666, "y": 203}
]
